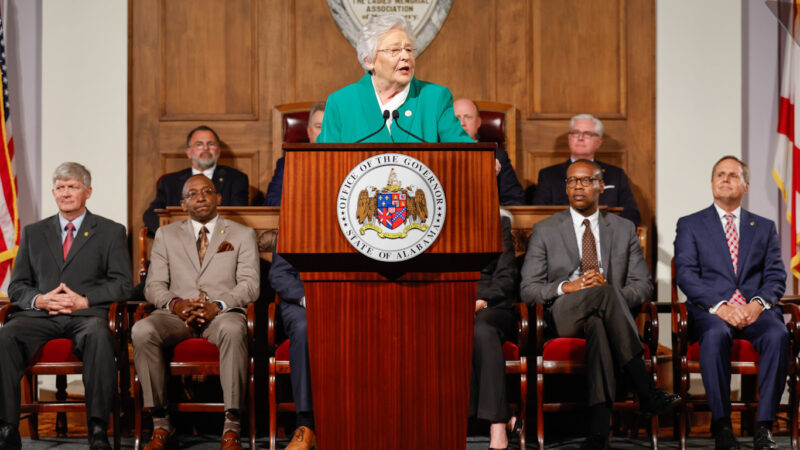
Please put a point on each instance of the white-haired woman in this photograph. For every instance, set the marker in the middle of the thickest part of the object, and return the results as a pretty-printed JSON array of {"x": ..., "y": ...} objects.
[{"x": 357, "y": 112}]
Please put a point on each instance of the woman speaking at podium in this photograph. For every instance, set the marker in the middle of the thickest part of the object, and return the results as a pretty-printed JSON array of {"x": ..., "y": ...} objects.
[{"x": 389, "y": 104}]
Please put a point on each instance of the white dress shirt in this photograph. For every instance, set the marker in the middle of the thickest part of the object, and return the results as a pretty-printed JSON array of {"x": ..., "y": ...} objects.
[{"x": 393, "y": 103}]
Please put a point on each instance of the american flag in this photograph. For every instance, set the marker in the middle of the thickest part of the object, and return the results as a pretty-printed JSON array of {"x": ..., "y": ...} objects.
[{"x": 9, "y": 215}]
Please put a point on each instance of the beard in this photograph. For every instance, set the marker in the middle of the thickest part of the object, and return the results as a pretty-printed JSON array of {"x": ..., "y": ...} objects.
[{"x": 204, "y": 163}]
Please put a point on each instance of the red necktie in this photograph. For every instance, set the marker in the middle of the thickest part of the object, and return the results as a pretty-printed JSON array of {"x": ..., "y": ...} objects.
[
  {"x": 68, "y": 240},
  {"x": 732, "y": 236}
]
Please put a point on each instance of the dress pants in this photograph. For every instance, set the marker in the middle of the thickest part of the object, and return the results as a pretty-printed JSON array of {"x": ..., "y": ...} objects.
[
  {"x": 769, "y": 337},
  {"x": 487, "y": 398},
  {"x": 294, "y": 325},
  {"x": 162, "y": 329},
  {"x": 92, "y": 342},
  {"x": 601, "y": 316}
]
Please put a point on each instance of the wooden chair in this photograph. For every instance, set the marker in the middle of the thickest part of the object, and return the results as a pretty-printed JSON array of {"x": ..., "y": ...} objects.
[
  {"x": 198, "y": 357},
  {"x": 744, "y": 361},
  {"x": 568, "y": 356},
  {"x": 515, "y": 354},
  {"x": 56, "y": 358},
  {"x": 499, "y": 124}
]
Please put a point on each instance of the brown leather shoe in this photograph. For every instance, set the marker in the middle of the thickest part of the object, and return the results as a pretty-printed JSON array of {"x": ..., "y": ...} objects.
[
  {"x": 302, "y": 439},
  {"x": 161, "y": 439},
  {"x": 231, "y": 441}
]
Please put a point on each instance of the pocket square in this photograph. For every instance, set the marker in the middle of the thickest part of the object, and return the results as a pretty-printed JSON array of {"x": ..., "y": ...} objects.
[{"x": 225, "y": 246}]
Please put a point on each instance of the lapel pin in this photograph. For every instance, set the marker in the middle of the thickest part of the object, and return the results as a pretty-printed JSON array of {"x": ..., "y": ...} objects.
[
  {"x": 221, "y": 231},
  {"x": 85, "y": 233},
  {"x": 408, "y": 113},
  {"x": 752, "y": 223},
  {"x": 221, "y": 179}
]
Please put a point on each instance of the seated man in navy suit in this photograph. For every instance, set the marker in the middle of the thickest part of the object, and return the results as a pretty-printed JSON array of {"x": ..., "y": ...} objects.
[
  {"x": 728, "y": 263},
  {"x": 315, "y": 115},
  {"x": 203, "y": 149},
  {"x": 585, "y": 137},
  {"x": 508, "y": 186}
]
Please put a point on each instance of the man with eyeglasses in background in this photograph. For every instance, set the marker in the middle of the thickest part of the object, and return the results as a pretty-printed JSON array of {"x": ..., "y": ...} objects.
[
  {"x": 586, "y": 267},
  {"x": 584, "y": 138},
  {"x": 203, "y": 149}
]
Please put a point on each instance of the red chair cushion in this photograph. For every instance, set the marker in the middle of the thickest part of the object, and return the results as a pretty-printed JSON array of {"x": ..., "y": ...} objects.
[
  {"x": 741, "y": 351},
  {"x": 195, "y": 350},
  {"x": 510, "y": 351},
  {"x": 570, "y": 349},
  {"x": 282, "y": 353},
  {"x": 294, "y": 126},
  {"x": 55, "y": 351},
  {"x": 492, "y": 127}
]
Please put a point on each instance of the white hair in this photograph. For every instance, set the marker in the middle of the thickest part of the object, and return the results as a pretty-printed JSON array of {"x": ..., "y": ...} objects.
[
  {"x": 374, "y": 30},
  {"x": 598, "y": 125},
  {"x": 72, "y": 171}
]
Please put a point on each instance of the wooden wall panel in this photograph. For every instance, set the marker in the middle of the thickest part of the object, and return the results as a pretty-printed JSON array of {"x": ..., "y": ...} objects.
[{"x": 228, "y": 63}]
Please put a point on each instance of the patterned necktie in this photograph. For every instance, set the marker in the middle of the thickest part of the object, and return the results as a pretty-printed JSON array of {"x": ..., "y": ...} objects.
[
  {"x": 732, "y": 236},
  {"x": 202, "y": 243},
  {"x": 68, "y": 240},
  {"x": 589, "y": 257}
]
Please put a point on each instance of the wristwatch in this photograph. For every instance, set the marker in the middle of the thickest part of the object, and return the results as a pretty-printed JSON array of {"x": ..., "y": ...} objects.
[{"x": 762, "y": 302}]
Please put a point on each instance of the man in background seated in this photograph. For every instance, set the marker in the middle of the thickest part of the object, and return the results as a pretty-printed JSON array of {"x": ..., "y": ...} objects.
[
  {"x": 586, "y": 267},
  {"x": 315, "y": 115},
  {"x": 584, "y": 138},
  {"x": 508, "y": 186},
  {"x": 728, "y": 263},
  {"x": 69, "y": 268},
  {"x": 203, "y": 273},
  {"x": 203, "y": 150}
]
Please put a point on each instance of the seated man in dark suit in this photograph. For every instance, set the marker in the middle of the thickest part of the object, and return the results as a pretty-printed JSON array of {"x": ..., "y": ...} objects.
[
  {"x": 585, "y": 137},
  {"x": 275, "y": 188},
  {"x": 69, "y": 268},
  {"x": 728, "y": 263},
  {"x": 508, "y": 186},
  {"x": 586, "y": 267},
  {"x": 203, "y": 149}
]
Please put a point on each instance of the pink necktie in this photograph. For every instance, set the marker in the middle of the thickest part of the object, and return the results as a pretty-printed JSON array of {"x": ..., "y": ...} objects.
[
  {"x": 68, "y": 240},
  {"x": 733, "y": 245}
]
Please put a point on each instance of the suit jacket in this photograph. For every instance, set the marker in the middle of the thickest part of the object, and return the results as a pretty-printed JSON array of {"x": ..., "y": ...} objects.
[
  {"x": 230, "y": 276},
  {"x": 508, "y": 186},
  {"x": 498, "y": 283},
  {"x": 233, "y": 185},
  {"x": 353, "y": 113},
  {"x": 285, "y": 279},
  {"x": 98, "y": 265},
  {"x": 275, "y": 188},
  {"x": 553, "y": 256},
  {"x": 551, "y": 189},
  {"x": 703, "y": 263}
]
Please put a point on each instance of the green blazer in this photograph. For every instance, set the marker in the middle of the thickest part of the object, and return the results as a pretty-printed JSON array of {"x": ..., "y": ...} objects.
[{"x": 352, "y": 113}]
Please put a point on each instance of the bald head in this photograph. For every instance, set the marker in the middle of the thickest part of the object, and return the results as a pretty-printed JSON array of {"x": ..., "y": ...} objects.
[{"x": 467, "y": 114}]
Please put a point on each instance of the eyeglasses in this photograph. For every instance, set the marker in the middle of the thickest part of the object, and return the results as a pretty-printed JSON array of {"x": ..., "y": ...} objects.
[
  {"x": 395, "y": 52},
  {"x": 207, "y": 192},
  {"x": 211, "y": 144},
  {"x": 585, "y": 181},
  {"x": 585, "y": 134}
]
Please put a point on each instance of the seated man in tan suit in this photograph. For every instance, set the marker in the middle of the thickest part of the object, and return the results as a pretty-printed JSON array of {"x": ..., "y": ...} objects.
[{"x": 203, "y": 273}]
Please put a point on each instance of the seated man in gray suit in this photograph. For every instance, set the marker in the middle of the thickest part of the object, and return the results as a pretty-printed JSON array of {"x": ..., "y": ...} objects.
[
  {"x": 586, "y": 267},
  {"x": 203, "y": 274},
  {"x": 69, "y": 268}
]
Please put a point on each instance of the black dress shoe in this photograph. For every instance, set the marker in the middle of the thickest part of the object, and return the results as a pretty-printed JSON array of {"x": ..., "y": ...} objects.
[
  {"x": 763, "y": 439},
  {"x": 725, "y": 440},
  {"x": 595, "y": 442},
  {"x": 99, "y": 441},
  {"x": 658, "y": 403},
  {"x": 9, "y": 437}
]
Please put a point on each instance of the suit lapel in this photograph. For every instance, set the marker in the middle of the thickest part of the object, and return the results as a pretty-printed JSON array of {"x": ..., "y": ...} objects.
[
  {"x": 189, "y": 243},
  {"x": 53, "y": 238},
  {"x": 214, "y": 239},
  {"x": 86, "y": 232},
  {"x": 717, "y": 234},
  {"x": 570, "y": 242},
  {"x": 606, "y": 238},
  {"x": 371, "y": 111},
  {"x": 747, "y": 227}
]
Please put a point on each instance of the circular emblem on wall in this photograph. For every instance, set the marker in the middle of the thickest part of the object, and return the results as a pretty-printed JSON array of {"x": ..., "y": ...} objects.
[
  {"x": 391, "y": 207},
  {"x": 426, "y": 16}
]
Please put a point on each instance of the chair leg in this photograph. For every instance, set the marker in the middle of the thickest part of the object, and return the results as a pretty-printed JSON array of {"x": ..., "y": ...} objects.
[
  {"x": 273, "y": 404},
  {"x": 539, "y": 409},
  {"x": 61, "y": 396},
  {"x": 115, "y": 420},
  {"x": 523, "y": 400},
  {"x": 654, "y": 432},
  {"x": 137, "y": 413},
  {"x": 251, "y": 403},
  {"x": 33, "y": 398}
]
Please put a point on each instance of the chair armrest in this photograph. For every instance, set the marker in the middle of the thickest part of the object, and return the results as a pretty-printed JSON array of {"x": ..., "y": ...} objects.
[
  {"x": 793, "y": 325},
  {"x": 680, "y": 329},
  {"x": 118, "y": 318},
  {"x": 6, "y": 311},
  {"x": 142, "y": 311},
  {"x": 143, "y": 252},
  {"x": 521, "y": 309},
  {"x": 251, "y": 327},
  {"x": 540, "y": 325},
  {"x": 649, "y": 312},
  {"x": 271, "y": 324}
]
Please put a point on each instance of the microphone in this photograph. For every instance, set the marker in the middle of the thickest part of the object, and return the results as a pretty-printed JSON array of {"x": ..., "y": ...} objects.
[
  {"x": 383, "y": 125},
  {"x": 395, "y": 115}
]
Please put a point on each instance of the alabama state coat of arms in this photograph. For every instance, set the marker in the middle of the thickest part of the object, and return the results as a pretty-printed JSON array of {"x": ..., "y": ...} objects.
[{"x": 391, "y": 207}]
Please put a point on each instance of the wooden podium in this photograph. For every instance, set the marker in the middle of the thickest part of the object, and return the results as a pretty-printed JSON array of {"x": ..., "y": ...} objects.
[{"x": 390, "y": 343}]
